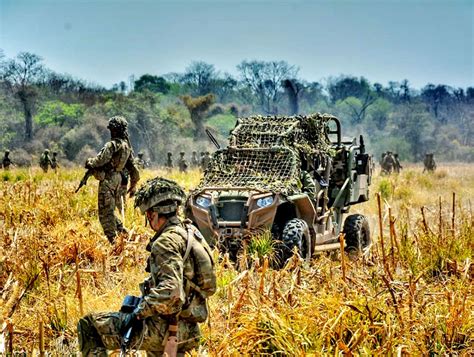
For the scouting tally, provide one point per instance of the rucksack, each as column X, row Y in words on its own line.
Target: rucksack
column 197, row 249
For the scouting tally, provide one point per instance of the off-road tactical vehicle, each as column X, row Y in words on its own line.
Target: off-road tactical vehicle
column 292, row 175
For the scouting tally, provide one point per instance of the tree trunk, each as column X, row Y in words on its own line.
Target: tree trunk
column 28, row 118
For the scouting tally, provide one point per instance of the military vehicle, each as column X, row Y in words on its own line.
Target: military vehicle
column 291, row 175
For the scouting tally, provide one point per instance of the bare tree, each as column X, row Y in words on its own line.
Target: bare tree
column 21, row 75
column 264, row 80
column 201, row 76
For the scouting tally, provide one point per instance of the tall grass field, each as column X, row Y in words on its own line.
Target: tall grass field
column 412, row 295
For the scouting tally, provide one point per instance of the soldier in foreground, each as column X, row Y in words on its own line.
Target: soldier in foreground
column 173, row 302
column 429, row 163
column 45, row 161
column 107, row 166
column 6, row 162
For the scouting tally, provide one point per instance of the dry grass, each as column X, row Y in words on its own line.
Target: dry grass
column 414, row 297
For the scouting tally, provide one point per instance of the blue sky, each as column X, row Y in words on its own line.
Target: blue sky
column 105, row 41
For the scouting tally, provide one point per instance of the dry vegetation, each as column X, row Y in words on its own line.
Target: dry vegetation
column 412, row 295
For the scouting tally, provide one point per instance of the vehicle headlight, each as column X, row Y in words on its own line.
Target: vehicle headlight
column 265, row 201
column 202, row 201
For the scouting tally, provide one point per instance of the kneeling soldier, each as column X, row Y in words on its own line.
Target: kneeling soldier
column 173, row 302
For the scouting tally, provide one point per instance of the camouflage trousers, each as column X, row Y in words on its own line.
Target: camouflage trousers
column 108, row 200
column 101, row 332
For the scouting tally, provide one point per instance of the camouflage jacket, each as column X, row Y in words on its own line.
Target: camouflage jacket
column 116, row 155
column 45, row 160
column 169, row 290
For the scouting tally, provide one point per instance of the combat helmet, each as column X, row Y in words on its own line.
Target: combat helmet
column 117, row 123
column 162, row 195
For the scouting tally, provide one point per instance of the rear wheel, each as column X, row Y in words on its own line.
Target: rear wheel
column 357, row 233
column 295, row 234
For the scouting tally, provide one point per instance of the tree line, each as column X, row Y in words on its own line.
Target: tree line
column 40, row 108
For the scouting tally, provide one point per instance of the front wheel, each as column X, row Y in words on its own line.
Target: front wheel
column 295, row 234
column 357, row 233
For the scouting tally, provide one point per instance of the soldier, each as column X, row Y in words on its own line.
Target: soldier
column 182, row 163
column 398, row 166
column 388, row 163
column 205, row 160
column 202, row 160
column 45, row 161
column 54, row 162
column 194, row 160
column 429, row 163
column 169, row 161
column 6, row 162
column 174, row 296
column 114, row 157
column 140, row 162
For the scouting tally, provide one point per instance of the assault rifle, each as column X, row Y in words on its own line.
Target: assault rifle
column 129, row 304
column 83, row 182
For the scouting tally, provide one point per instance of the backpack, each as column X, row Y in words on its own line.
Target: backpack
column 203, row 282
column 197, row 249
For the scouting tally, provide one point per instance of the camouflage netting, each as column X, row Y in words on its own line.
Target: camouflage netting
column 157, row 190
column 304, row 133
column 264, row 153
column 273, row 169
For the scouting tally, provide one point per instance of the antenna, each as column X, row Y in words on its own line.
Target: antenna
column 213, row 139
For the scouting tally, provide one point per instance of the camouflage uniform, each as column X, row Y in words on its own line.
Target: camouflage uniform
column 194, row 160
column 54, row 162
column 388, row 163
column 45, row 161
column 429, row 163
column 6, row 162
column 308, row 184
column 169, row 161
column 182, row 163
column 114, row 157
column 398, row 166
column 140, row 163
column 171, row 294
column 205, row 160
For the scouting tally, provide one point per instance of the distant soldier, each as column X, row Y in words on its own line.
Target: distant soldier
column 202, row 160
column 383, row 157
column 140, row 162
column 6, row 162
column 398, row 166
column 54, row 162
column 206, row 159
column 107, row 166
column 194, row 160
column 169, row 161
column 388, row 163
column 429, row 162
column 45, row 161
column 182, row 163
